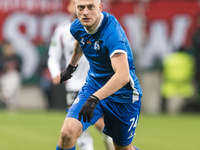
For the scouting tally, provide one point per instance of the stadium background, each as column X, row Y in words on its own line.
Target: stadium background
column 155, row 28
column 29, row 24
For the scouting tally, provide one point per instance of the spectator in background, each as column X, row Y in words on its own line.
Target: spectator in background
column 196, row 47
column 178, row 75
column 10, row 79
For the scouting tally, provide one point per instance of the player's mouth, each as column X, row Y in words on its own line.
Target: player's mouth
column 86, row 19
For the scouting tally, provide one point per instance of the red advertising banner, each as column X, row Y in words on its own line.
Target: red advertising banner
column 154, row 28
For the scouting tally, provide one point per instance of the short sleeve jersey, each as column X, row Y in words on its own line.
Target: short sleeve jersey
column 99, row 47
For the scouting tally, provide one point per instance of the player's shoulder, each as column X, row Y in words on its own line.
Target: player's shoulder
column 109, row 18
column 110, row 26
column 107, row 15
column 75, row 25
column 76, row 28
column 110, row 22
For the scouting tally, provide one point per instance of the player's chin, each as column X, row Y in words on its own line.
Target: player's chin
column 86, row 24
column 86, row 21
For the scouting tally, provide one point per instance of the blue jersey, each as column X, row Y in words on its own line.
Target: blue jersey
column 98, row 47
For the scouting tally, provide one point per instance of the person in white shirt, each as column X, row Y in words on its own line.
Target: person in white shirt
column 62, row 43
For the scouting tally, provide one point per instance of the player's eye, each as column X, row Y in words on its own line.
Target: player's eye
column 81, row 7
column 90, row 7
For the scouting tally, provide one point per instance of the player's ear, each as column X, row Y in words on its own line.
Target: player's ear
column 100, row 7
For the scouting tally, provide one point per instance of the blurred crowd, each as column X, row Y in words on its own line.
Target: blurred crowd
column 170, row 85
column 10, row 78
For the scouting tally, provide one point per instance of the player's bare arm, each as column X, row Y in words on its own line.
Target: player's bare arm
column 119, row 79
column 77, row 54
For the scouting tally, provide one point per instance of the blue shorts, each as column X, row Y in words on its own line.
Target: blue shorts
column 120, row 119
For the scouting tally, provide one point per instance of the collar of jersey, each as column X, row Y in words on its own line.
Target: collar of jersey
column 97, row 28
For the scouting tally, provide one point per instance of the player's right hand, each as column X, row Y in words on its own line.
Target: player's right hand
column 67, row 73
column 87, row 109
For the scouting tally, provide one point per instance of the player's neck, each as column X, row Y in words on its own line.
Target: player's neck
column 97, row 27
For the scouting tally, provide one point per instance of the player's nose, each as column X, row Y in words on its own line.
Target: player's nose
column 86, row 11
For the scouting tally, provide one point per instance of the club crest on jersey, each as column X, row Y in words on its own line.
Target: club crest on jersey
column 96, row 45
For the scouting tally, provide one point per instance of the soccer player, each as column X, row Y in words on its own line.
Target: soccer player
column 112, row 89
column 62, row 42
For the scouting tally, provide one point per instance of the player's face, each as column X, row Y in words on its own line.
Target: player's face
column 88, row 12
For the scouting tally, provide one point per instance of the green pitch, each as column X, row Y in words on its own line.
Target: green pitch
column 39, row 130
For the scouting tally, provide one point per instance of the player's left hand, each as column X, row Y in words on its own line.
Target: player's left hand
column 67, row 73
column 87, row 109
